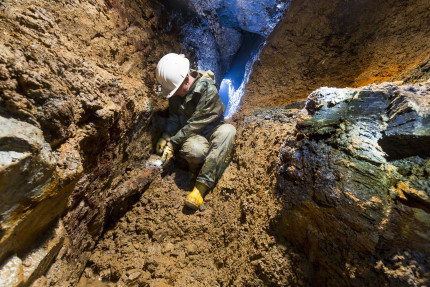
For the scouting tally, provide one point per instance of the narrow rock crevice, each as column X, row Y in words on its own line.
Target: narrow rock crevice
column 400, row 147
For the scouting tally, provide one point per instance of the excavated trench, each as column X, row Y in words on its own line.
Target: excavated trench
column 158, row 242
column 329, row 188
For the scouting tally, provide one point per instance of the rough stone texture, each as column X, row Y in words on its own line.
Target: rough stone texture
column 76, row 105
column 355, row 185
column 258, row 17
column 27, row 164
column 29, row 184
column 340, row 44
column 214, row 30
column 24, row 268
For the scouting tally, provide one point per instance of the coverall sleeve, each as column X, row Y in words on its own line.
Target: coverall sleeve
column 173, row 124
column 208, row 110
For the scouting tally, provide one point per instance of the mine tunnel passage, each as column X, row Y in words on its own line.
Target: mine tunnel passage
column 75, row 86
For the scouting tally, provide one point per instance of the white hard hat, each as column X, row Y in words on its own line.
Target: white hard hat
column 171, row 72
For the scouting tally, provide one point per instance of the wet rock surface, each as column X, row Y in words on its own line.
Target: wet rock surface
column 353, row 209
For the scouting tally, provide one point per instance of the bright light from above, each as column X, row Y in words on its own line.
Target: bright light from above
column 225, row 90
column 230, row 97
column 233, row 85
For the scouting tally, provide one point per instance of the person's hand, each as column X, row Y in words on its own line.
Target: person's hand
column 161, row 144
column 167, row 154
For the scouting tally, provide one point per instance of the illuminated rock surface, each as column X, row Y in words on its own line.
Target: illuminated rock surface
column 340, row 44
column 215, row 31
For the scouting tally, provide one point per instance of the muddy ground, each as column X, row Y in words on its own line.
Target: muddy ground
column 159, row 242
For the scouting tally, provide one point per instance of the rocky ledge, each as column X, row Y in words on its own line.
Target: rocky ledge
column 355, row 180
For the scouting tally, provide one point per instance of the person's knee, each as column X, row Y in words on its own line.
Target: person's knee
column 228, row 131
column 194, row 152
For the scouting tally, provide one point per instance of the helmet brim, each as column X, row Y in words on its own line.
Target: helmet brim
column 167, row 93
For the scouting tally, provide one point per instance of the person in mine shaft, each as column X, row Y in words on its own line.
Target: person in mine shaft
column 195, row 129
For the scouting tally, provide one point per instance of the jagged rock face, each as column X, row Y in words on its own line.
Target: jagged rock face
column 340, row 44
column 259, row 17
column 356, row 183
column 75, row 87
column 77, row 126
column 29, row 182
column 214, row 31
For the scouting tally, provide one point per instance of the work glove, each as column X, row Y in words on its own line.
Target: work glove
column 161, row 144
column 167, row 154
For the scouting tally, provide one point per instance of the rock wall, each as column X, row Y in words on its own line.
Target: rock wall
column 78, row 119
column 339, row 44
column 356, row 185
column 76, row 83
column 214, row 30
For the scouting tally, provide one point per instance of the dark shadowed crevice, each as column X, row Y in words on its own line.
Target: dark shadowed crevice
column 399, row 147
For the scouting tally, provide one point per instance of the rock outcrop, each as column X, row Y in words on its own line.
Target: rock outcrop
column 356, row 184
column 214, row 31
column 340, row 44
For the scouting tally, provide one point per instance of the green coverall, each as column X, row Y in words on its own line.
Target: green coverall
column 197, row 129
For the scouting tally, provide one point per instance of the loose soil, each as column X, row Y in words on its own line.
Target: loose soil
column 159, row 242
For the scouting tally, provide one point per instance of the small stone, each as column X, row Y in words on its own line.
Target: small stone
column 202, row 208
column 133, row 276
column 384, row 118
column 191, row 249
column 4, row 73
column 151, row 266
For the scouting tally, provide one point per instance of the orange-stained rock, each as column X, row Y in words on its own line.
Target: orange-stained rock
column 340, row 44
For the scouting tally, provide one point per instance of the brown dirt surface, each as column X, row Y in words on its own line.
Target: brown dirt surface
column 159, row 242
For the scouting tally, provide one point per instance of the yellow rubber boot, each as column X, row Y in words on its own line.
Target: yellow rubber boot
column 195, row 199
